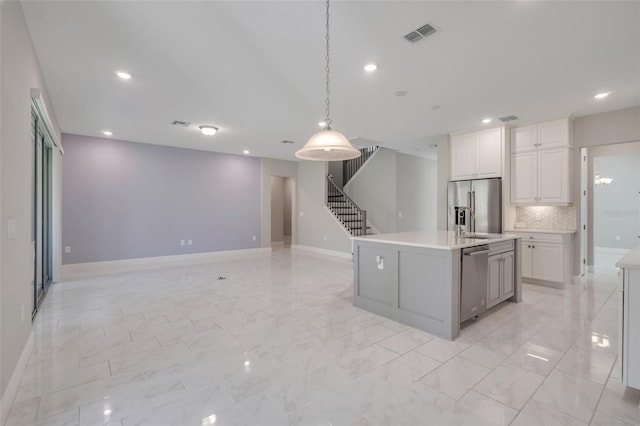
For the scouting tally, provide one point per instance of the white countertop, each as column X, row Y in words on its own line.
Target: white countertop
column 443, row 240
column 543, row 231
column 631, row 260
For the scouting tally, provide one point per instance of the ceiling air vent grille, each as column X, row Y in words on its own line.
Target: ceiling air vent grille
column 508, row 118
column 180, row 123
column 420, row 33
column 286, row 141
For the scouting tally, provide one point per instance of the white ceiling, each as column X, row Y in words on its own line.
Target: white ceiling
column 255, row 69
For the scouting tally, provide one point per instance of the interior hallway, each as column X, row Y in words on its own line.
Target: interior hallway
column 278, row 342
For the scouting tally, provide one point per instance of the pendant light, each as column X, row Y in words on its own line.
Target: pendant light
column 327, row 144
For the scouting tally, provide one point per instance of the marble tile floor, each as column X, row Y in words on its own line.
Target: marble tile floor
column 278, row 343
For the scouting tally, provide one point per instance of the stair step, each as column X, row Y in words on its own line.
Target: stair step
column 335, row 196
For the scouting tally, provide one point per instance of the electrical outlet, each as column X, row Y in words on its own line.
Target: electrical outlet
column 399, row 215
column 12, row 229
column 538, row 216
column 181, row 242
column 190, row 242
column 22, row 313
column 301, row 213
column 380, row 262
column 617, row 237
column 254, row 238
column 67, row 249
column 325, row 238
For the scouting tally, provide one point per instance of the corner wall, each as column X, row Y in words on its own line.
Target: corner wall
column 282, row 168
column 20, row 72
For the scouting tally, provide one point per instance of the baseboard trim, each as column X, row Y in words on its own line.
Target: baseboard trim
column 543, row 283
column 277, row 243
column 334, row 253
column 77, row 270
column 12, row 387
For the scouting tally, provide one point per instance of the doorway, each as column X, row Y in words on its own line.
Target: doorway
column 282, row 189
column 611, row 187
column 42, row 209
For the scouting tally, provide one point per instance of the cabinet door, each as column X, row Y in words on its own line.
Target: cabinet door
column 553, row 176
column 494, row 281
column 488, row 153
column 524, row 178
column 547, row 260
column 462, row 156
column 552, row 134
column 527, row 264
column 524, row 138
column 507, row 276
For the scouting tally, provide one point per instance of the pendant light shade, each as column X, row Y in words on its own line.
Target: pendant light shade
column 327, row 144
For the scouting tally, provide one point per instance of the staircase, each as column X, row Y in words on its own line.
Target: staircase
column 352, row 217
column 351, row 167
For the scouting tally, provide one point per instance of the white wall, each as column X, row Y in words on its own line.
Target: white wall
column 416, row 193
column 316, row 226
column 271, row 167
column 277, row 208
column 398, row 191
column 373, row 188
column 19, row 67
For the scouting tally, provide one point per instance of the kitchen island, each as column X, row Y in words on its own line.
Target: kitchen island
column 416, row 277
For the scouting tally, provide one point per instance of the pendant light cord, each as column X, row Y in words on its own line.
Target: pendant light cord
column 328, row 106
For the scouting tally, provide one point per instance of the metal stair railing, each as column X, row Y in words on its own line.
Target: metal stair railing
column 351, row 167
column 352, row 217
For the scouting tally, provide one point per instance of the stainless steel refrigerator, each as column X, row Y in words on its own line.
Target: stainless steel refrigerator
column 480, row 202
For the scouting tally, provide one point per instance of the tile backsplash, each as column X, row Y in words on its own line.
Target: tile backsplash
column 546, row 217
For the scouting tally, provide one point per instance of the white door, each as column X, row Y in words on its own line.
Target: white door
column 507, row 275
column 462, row 157
column 494, row 284
column 488, row 155
column 546, row 261
column 553, row 176
column 527, row 261
column 553, row 133
column 524, row 178
column 524, row 138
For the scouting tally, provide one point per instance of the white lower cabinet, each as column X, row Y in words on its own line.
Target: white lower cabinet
column 500, row 282
column 629, row 346
column 546, row 258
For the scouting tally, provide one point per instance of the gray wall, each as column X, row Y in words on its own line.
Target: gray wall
column 391, row 185
column 289, row 188
column 416, row 194
column 20, row 73
column 590, row 131
column 124, row 200
column 316, row 226
column 336, row 170
column 277, row 208
column 616, row 207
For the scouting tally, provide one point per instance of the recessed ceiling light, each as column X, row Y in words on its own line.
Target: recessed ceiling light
column 246, row 151
column 107, row 132
column 208, row 130
column 602, row 95
column 370, row 67
column 123, row 75
column 486, row 120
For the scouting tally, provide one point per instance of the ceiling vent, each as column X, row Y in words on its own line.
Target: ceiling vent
column 286, row 141
column 420, row 33
column 508, row 118
column 180, row 123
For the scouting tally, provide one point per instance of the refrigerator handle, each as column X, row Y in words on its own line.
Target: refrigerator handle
column 472, row 213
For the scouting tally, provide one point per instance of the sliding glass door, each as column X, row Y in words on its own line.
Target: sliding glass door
column 42, row 212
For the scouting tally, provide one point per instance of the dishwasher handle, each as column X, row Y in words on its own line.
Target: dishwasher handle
column 476, row 253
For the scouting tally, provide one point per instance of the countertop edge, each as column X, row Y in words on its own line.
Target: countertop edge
column 478, row 242
column 631, row 260
column 543, row 231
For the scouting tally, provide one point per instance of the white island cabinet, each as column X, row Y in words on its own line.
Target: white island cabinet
column 415, row 277
column 629, row 346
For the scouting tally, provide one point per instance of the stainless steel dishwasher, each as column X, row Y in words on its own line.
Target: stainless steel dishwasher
column 473, row 288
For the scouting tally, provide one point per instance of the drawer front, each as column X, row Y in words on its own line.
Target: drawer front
column 501, row 247
column 543, row 238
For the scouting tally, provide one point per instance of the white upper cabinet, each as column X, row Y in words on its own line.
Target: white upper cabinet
column 477, row 155
column 541, row 164
column 550, row 134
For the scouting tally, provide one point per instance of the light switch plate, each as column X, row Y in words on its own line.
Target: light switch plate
column 12, row 229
